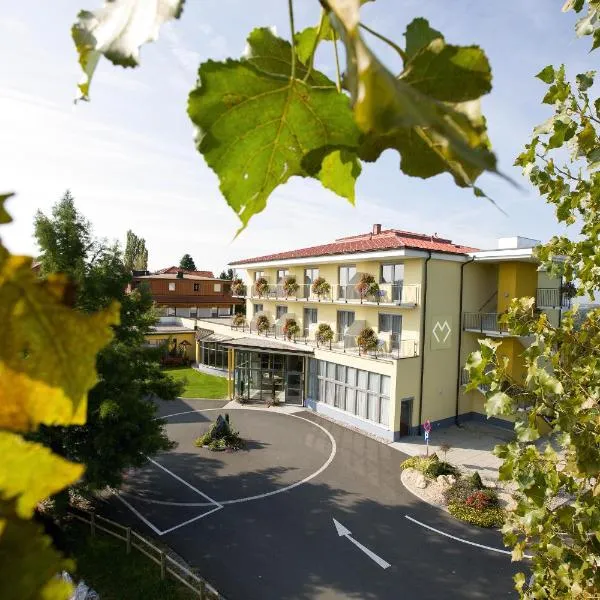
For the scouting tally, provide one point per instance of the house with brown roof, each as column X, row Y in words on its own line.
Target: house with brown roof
column 402, row 312
column 192, row 294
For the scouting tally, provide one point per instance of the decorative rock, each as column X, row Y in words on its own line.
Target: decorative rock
column 451, row 479
column 420, row 481
column 441, row 479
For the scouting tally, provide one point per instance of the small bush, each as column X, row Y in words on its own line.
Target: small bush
column 440, row 467
column 488, row 517
column 414, row 462
column 459, row 492
column 475, row 479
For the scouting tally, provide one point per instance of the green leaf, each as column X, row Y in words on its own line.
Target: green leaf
column 29, row 473
column 309, row 38
column 586, row 138
column 585, row 80
column 431, row 136
column 339, row 171
column 258, row 128
column 449, row 73
column 498, row 403
column 546, row 74
column 117, row 31
column 419, row 35
column 48, row 351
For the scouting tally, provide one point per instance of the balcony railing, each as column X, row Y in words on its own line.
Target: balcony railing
column 488, row 323
column 389, row 294
column 552, row 298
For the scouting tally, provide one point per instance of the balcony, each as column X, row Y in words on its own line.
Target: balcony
column 402, row 295
column 552, row 298
column 485, row 323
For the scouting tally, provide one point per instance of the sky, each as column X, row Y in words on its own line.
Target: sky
column 129, row 158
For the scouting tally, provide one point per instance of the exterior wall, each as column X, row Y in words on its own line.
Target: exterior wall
column 190, row 351
column 442, row 337
column 515, row 280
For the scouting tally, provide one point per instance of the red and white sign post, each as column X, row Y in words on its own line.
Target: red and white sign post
column 427, row 429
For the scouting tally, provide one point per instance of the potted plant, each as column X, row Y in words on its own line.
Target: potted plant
column 291, row 328
column 239, row 320
column 367, row 340
column 290, row 286
column 262, row 286
column 366, row 286
column 320, row 287
column 324, row 334
column 237, row 287
column 262, row 324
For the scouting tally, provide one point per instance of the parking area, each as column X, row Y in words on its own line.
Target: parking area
column 308, row 510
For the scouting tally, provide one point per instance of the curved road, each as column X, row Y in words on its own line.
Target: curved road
column 285, row 546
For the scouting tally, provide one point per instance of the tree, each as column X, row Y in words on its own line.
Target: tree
column 227, row 274
column 187, row 263
column 136, row 255
column 121, row 429
column 557, row 518
column 429, row 112
column 45, row 373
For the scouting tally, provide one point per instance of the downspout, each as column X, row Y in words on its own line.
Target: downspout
column 460, row 336
column 423, row 343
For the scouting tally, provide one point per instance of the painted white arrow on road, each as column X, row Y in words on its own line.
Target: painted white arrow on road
column 344, row 532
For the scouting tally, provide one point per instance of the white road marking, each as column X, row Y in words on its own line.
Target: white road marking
column 448, row 535
column 246, row 498
column 345, row 532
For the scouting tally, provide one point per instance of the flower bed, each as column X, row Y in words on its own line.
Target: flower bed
column 464, row 496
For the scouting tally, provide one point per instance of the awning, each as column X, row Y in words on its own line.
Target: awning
column 268, row 345
column 215, row 337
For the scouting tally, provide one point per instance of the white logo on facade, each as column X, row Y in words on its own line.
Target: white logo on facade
column 441, row 331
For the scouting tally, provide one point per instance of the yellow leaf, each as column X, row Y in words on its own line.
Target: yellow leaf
column 29, row 565
column 48, row 350
column 4, row 216
column 30, row 472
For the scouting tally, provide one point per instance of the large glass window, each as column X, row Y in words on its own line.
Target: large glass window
column 310, row 317
column 392, row 274
column 347, row 281
column 310, row 275
column 358, row 392
column 280, row 311
column 258, row 275
column 282, row 274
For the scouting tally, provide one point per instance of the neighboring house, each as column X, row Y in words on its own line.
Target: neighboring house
column 180, row 293
column 435, row 300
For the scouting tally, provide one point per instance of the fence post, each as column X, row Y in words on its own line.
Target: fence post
column 128, row 540
column 163, row 565
column 92, row 524
column 202, row 590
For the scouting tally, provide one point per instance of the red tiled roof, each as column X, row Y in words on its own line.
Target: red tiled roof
column 388, row 239
column 186, row 271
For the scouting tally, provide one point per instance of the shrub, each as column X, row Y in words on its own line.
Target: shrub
column 320, row 287
column 324, row 334
column 291, row 328
column 262, row 286
column 365, row 283
column 414, row 462
column 440, row 467
column 488, row 517
column 239, row 320
column 367, row 339
column 475, row 479
column 237, row 287
column 459, row 491
column 262, row 323
column 290, row 285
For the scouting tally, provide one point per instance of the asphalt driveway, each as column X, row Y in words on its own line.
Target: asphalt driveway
column 258, row 524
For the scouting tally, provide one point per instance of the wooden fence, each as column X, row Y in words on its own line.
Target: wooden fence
column 132, row 539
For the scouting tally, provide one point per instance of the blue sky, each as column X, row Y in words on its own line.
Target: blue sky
column 130, row 161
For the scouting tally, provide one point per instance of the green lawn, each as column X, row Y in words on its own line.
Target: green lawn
column 105, row 566
column 200, row 385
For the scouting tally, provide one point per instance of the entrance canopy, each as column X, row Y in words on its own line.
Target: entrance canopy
column 267, row 345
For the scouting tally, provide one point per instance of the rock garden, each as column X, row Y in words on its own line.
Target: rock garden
column 220, row 436
column 463, row 495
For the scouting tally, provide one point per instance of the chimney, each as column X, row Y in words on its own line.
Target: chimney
column 179, row 274
column 377, row 229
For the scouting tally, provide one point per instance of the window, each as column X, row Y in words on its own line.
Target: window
column 280, row 311
column 346, row 278
column 258, row 275
column 217, row 287
column 391, row 274
column 345, row 318
column 310, row 275
column 171, row 286
column 258, row 308
column 390, row 323
column 282, row 274
column 196, row 287
column 361, row 393
column 310, row 317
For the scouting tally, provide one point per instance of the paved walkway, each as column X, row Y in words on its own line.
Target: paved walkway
column 471, row 446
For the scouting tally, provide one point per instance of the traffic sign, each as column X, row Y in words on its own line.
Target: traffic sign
column 427, row 436
column 427, row 426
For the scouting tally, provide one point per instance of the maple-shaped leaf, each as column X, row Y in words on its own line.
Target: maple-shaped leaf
column 48, row 350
